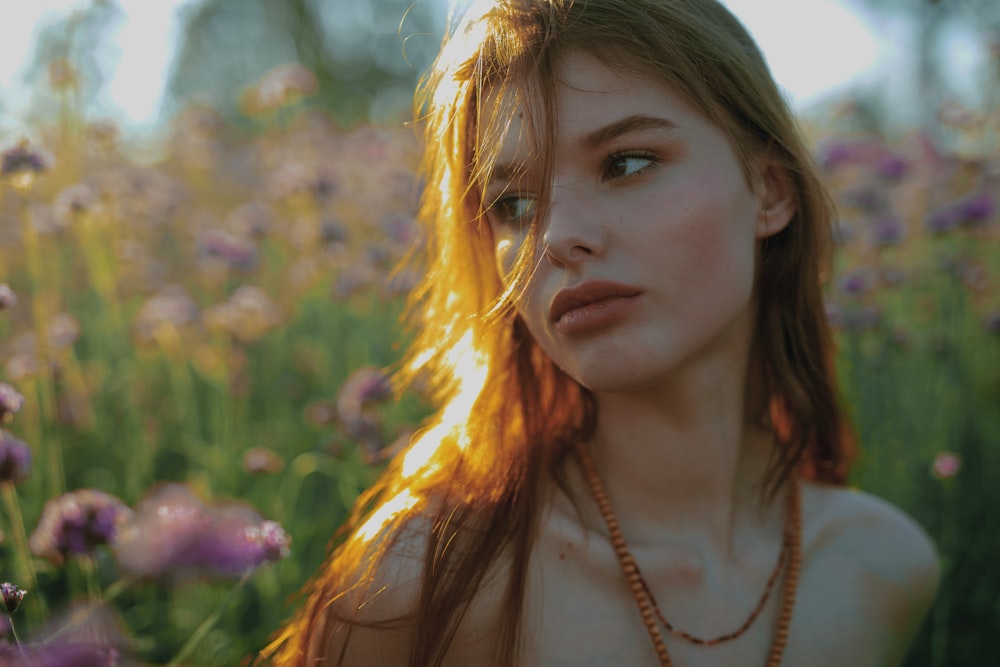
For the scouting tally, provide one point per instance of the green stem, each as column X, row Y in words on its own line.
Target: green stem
column 12, row 507
column 207, row 624
column 40, row 321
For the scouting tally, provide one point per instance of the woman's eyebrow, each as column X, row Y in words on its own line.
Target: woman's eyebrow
column 626, row 125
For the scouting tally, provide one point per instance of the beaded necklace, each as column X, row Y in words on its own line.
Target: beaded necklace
column 650, row 611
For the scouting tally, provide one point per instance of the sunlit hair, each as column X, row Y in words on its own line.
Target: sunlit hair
column 470, row 482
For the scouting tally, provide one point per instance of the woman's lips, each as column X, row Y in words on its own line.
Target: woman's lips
column 591, row 306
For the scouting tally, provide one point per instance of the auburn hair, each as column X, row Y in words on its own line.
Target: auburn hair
column 507, row 415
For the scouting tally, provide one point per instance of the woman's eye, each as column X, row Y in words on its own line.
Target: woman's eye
column 621, row 166
column 512, row 209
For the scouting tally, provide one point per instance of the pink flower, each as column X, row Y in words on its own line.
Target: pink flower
column 946, row 465
column 15, row 459
column 76, row 523
column 174, row 533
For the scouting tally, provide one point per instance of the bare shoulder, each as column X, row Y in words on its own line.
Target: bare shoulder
column 380, row 601
column 880, row 535
column 893, row 560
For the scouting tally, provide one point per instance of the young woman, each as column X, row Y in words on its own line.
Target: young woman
column 640, row 454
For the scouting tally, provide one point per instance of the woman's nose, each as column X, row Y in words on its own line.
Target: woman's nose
column 572, row 231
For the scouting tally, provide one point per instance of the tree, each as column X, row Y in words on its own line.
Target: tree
column 367, row 56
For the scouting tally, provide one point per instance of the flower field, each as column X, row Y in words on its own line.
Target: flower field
column 194, row 359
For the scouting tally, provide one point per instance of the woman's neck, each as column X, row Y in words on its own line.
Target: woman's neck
column 685, row 465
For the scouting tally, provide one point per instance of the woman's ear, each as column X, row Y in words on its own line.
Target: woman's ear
column 776, row 195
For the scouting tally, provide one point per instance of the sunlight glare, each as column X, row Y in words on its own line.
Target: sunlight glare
column 469, row 368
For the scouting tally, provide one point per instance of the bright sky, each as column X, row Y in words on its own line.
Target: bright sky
column 812, row 46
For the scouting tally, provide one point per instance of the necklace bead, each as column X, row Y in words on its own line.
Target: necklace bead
column 649, row 610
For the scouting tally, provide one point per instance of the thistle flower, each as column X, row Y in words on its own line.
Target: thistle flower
column 942, row 220
column 946, row 465
column 21, row 164
column 887, row 231
column 8, row 299
column 77, row 523
column 15, row 459
column 169, row 309
column 12, row 596
column 281, row 86
column 233, row 251
column 248, row 315
column 856, row 282
column 173, row 533
column 993, row 322
column 260, row 460
column 84, row 635
column 11, row 402
column 975, row 209
column 363, row 387
column 73, row 202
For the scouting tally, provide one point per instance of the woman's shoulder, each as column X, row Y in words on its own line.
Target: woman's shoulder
column 876, row 550
column 880, row 535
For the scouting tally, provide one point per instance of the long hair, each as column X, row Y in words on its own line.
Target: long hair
column 508, row 416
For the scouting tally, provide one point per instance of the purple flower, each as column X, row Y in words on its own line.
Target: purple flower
column 976, row 208
column 364, row 386
column 83, row 636
column 856, row 282
column 891, row 166
column 943, row 220
column 15, row 459
column 993, row 322
column 76, row 523
column 236, row 252
column 7, row 297
column 836, row 153
column 11, row 402
column 12, row 596
column 887, row 232
column 169, row 310
column 260, row 460
column 22, row 161
column 174, row 533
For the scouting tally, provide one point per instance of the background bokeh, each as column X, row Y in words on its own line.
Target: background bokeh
column 200, row 301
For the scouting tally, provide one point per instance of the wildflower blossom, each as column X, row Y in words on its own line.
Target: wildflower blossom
column 281, row 86
column 946, row 465
column 73, row 202
column 887, row 231
column 365, row 386
column 942, row 220
column 169, row 309
column 260, row 460
column 248, row 315
column 232, row 250
column 11, row 402
column 21, row 164
column 64, row 331
column 172, row 532
column 77, row 523
column 84, row 635
column 975, row 209
column 8, row 299
column 856, row 282
column 15, row 459
column 891, row 166
column 12, row 596
column 993, row 322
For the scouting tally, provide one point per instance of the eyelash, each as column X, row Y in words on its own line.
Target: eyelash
column 500, row 201
column 619, row 155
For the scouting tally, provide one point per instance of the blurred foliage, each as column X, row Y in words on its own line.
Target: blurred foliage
column 367, row 56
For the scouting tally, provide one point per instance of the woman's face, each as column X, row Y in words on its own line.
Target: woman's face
column 645, row 260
